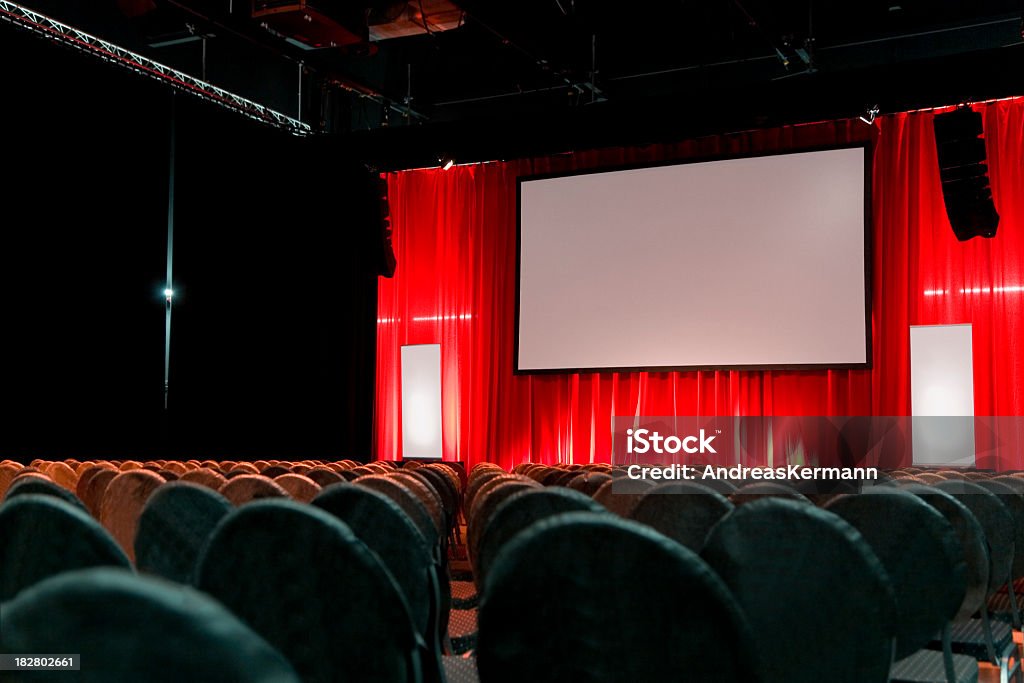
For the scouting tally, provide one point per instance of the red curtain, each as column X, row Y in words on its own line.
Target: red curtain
column 455, row 236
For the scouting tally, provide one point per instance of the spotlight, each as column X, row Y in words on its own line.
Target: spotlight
column 446, row 161
column 868, row 117
column 169, row 293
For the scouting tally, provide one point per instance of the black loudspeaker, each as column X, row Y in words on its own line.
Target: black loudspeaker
column 380, row 214
column 389, row 261
column 965, row 183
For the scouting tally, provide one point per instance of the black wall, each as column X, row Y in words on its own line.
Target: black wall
column 274, row 317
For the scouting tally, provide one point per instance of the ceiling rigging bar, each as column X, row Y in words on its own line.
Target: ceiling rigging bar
column 66, row 35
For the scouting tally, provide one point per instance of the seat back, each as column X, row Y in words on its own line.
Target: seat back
column 324, row 476
column 85, row 475
column 410, row 503
column 621, row 494
column 972, row 543
column 63, row 475
column 517, row 512
column 96, row 489
column 817, row 597
column 486, row 502
column 426, row 494
column 298, row 486
column 174, row 526
column 683, row 511
column 129, row 628
column 244, row 488
column 447, row 492
column 275, row 471
column 1010, row 491
column 39, row 485
column 995, row 520
column 921, row 554
column 750, row 492
column 723, row 486
column 478, row 479
column 300, row 578
column 590, row 482
column 588, row 597
column 122, row 505
column 379, row 523
column 8, row 471
column 204, row 476
column 41, row 536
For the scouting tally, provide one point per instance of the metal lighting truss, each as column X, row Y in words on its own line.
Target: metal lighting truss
column 66, row 35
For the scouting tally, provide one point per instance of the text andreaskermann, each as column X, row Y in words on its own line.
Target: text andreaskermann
column 696, row 472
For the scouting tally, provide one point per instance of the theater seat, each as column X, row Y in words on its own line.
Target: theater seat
column 926, row 564
column 1005, row 604
column 684, row 511
column 302, row 579
column 385, row 529
column 818, row 599
column 591, row 597
column 42, row 536
column 174, row 526
column 34, row 484
column 520, row 510
column 130, row 629
column 986, row 639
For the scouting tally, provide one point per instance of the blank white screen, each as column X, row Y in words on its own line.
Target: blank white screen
column 740, row 262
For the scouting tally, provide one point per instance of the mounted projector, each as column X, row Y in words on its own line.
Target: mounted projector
column 314, row 24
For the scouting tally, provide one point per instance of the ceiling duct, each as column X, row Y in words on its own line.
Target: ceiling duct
column 329, row 23
column 317, row 24
column 401, row 19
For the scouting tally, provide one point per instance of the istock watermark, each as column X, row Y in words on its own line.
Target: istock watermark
column 817, row 454
column 642, row 441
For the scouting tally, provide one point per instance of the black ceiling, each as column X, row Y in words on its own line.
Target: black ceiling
column 535, row 76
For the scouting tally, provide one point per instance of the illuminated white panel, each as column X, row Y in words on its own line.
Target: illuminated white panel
column 942, row 394
column 421, row 401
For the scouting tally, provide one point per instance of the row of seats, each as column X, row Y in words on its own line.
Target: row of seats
column 895, row 583
column 349, row 583
column 578, row 573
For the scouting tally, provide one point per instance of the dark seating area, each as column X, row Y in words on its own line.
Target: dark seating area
column 375, row 572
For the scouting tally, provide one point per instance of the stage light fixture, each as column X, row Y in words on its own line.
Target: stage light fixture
column 445, row 161
column 869, row 116
column 169, row 294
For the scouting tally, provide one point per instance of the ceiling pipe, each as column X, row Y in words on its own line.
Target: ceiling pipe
column 329, row 76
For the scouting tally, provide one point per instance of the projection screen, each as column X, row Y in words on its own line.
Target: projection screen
column 754, row 262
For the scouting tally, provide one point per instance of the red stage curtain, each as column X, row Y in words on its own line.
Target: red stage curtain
column 454, row 235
